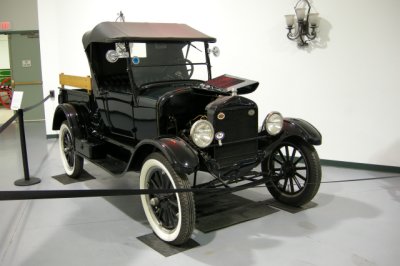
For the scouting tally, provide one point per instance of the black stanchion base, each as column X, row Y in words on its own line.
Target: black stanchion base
column 31, row 181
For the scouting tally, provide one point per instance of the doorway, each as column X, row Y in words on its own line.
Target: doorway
column 5, row 80
column 26, row 72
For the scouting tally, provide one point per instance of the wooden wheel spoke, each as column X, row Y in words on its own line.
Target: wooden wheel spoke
column 156, row 180
column 285, row 183
column 299, row 186
column 168, row 217
column 301, row 177
column 276, row 160
column 291, row 185
column 173, row 203
column 293, row 155
column 282, row 156
column 153, row 183
column 298, row 160
column 159, row 213
column 287, row 153
column 160, row 179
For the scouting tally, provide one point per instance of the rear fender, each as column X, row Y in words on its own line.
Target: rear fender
column 68, row 112
column 183, row 158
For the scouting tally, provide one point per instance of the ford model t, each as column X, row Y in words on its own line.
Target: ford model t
column 152, row 106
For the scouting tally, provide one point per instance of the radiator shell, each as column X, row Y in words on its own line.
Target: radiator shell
column 237, row 117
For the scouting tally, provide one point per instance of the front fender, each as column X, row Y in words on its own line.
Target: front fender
column 292, row 128
column 183, row 158
column 302, row 129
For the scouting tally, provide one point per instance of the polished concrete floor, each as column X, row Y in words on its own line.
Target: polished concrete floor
column 353, row 223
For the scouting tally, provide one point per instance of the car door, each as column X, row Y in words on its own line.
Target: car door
column 146, row 118
column 118, row 96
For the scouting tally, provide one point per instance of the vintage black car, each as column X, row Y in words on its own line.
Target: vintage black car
column 152, row 106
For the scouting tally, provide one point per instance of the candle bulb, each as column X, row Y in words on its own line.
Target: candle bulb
column 289, row 20
column 300, row 13
column 313, row 19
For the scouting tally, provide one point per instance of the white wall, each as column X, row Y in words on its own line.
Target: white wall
column 21, row 13
column 347, row 85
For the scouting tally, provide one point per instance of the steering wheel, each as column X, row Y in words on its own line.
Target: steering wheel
column 178, row 74
column 190, row 67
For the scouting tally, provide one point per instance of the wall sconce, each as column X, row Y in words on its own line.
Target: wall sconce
column 305, row 29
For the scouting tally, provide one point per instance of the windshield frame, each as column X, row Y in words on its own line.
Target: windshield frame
column 205, row 54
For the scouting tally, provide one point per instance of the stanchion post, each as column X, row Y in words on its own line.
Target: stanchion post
column 27, row 180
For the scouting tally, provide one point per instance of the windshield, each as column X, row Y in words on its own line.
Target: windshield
column 159, row 62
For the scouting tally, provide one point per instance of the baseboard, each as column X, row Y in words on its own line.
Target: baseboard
column 361, row 166
column 52, row 136
column 34, row 120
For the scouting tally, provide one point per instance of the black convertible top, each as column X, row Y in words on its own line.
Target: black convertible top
column 108, row 32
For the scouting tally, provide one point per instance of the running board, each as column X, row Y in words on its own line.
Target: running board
column 112, row 165
column 107, row 155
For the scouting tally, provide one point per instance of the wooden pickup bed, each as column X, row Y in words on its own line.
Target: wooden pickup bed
column 76, row 81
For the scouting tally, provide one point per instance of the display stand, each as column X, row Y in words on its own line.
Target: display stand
column 27, row 180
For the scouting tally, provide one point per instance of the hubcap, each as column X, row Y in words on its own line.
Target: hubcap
column 154, row 202
column 288, row 169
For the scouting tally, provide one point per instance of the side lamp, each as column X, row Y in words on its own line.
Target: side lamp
column 302, row 26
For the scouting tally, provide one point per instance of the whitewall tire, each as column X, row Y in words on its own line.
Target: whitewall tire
column 73, row 163
column 171, row 216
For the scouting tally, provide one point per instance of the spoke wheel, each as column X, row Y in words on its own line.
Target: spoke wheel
column 172, row 215
column 73, row 163
column 296, row 172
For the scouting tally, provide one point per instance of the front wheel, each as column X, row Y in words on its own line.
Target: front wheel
column 295, row 172
column 172, row 215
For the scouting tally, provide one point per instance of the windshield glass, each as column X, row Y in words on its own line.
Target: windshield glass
column 158, row 62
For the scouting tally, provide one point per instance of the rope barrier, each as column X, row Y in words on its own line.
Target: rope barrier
column 57, row 194
column 27, row 109
column 52, row 194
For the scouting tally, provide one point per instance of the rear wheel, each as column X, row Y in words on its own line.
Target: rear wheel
column 172, row 215
column 296, row 172
column 73, row 163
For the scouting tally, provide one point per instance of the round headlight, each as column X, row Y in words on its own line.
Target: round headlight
column 202, row 133
column 273, row 123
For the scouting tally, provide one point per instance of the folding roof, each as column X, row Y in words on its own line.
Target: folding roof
column 109, row 32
